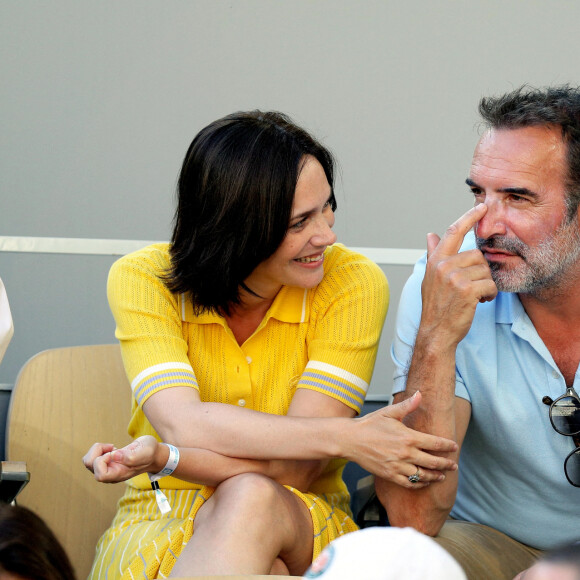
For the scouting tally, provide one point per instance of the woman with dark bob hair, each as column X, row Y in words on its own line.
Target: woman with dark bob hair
column 249, row 342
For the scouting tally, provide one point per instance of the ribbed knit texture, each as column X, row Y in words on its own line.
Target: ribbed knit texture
column 324, row 339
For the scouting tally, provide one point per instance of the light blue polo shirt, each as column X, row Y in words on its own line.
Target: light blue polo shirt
column 511, row 469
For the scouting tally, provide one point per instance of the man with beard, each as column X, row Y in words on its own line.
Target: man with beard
column 489, row 331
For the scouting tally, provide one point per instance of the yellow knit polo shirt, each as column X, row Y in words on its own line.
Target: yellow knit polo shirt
column 324, row 339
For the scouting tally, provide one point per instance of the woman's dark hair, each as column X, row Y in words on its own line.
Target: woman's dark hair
column 550, row 107
column 28, row 548
column 235, row 195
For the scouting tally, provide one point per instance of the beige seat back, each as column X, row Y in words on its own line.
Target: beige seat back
column 64, row 400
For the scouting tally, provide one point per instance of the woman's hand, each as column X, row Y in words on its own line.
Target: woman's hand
column 111, row 465
column 392, row 451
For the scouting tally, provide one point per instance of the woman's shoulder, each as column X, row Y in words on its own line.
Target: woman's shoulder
column 153, row 259
column 350, row 274
column 351, row 280
column 340, row 260
column 142, row 273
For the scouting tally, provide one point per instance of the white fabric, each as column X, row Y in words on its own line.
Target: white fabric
column 385, row 554
column 6, row 326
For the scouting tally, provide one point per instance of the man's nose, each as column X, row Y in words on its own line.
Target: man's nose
column 493, row 223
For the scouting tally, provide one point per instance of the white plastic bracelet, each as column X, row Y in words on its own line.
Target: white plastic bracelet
column 169, row 468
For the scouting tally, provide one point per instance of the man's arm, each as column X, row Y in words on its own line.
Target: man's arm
column 453, row 285
column 425, row 509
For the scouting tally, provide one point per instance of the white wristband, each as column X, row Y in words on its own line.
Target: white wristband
column 169, row 468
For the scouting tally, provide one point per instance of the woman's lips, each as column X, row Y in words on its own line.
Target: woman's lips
column 310, row 259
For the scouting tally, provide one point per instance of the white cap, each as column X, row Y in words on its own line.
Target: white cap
column 385, row 554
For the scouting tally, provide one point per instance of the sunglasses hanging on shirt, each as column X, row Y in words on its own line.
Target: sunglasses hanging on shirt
column 565, row 419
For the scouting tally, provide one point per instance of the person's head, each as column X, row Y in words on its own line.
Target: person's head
column 385, row 553
column 28, row 548
column 236, row 193
column 559, row 564
column 555, row 108
column 526, row 169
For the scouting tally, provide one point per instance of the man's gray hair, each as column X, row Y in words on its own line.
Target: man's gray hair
column 550, row 106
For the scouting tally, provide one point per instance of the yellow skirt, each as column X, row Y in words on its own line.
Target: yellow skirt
column 143, row 543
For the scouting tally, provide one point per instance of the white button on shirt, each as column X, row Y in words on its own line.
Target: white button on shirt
column 249, row 359
column 242, row 402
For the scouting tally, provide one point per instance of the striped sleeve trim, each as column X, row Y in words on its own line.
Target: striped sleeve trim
column 335, row 382
column 160, row 376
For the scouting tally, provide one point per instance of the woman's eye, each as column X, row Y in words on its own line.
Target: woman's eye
column 298, row 225
column 331, row 203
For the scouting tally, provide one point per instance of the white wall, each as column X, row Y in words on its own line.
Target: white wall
column 99, row 101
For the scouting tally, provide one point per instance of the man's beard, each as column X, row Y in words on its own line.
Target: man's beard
column 543, row 267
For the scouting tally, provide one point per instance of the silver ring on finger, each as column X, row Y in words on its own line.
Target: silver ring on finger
column 415, row 478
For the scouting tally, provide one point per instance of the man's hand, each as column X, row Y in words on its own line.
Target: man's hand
column 453, row 286
column 454, row 282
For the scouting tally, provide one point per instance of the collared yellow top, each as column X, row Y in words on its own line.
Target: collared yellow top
column 324, row 338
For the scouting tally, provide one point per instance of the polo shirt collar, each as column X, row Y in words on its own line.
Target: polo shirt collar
column 509, row 310
column 290, row 305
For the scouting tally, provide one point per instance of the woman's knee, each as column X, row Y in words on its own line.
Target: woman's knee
column 251, row 486
column 264, row 513
column 248, row 494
